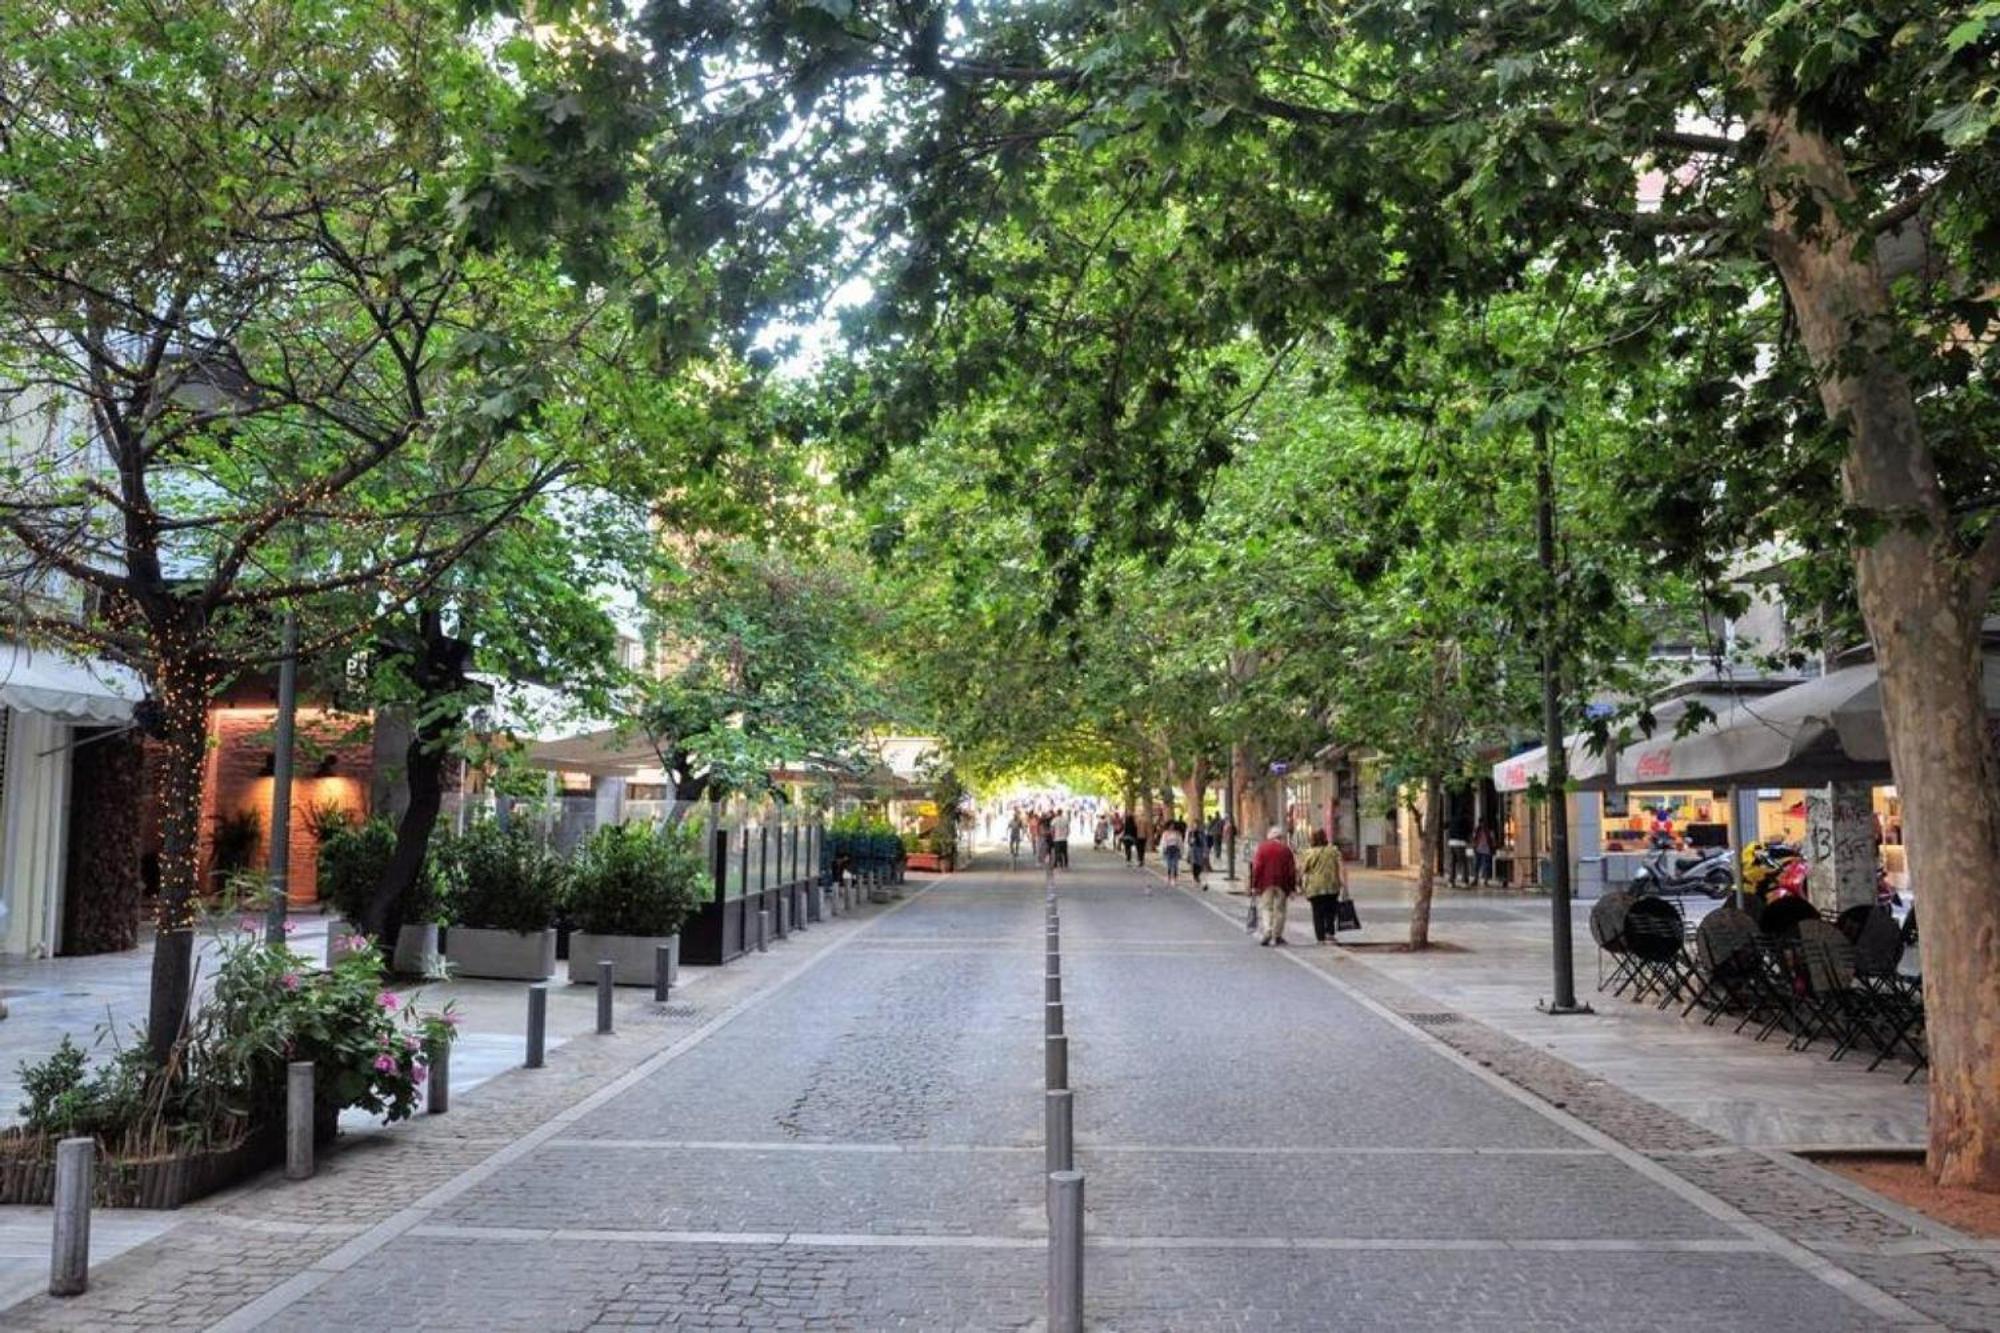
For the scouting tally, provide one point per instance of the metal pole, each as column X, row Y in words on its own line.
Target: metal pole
column 663, row 971
column 438, row 1097
column 1052, row 1019
column 1059, row 1105
column 1229, row 816
column 69, row 1248
column 607, row 977
column 1066, row 1252
column 299, row 1120
column 279, row 860
column 1055, row 1062
column 763, row 930
column 1564, row 999
column 538, row 1023
column 1052, row 988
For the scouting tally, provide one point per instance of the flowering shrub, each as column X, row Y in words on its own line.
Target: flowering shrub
column 369, row 1046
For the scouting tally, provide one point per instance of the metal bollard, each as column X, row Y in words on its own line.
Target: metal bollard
column 1055, row 1061
column 1052, row 1019
column 1059, row 1128
column 763, row 930
column 784, row 914
column 1052, row 988
column 437, row 1094
column 538, row 1024
column 69, row 1248
column 663, row 971
column 299, row 1120
column 1066, row 1252
column 607, row 977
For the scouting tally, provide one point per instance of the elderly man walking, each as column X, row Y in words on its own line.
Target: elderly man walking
column 1274, row 878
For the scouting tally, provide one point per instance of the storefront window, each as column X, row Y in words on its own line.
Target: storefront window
column 1636, row 821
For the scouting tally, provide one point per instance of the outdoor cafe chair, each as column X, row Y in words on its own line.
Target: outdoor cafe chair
column 1724, row 965
column 1607, row 928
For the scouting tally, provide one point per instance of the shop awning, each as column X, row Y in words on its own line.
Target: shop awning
column 1587, row 771
column 612, row 752
column 1825, row 730
column 82, row 692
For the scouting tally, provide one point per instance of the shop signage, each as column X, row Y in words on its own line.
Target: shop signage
column 1656, row 763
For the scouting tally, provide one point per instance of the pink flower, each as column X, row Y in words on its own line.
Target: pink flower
column 290, row 981
column 385, row 1064
column 388, row 1000
column 291, row 926
column 417, row 1073
column 249, row 924
column 354, row 943
column 410, row 1043
column 451, row 1018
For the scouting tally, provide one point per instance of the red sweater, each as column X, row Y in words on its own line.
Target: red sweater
column 1274, row 867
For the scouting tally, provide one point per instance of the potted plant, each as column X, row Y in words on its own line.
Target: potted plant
column 234, row 845
column 630, row 890
column 215, row 1112
column 503, row 887
column 351, row 862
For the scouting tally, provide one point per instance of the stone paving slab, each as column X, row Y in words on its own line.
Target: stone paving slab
column 1268, row 1060
column 1384, row 1196
column 744, row 1189
column 475, row 1285
column 1197, row 1291
column 885, row 1047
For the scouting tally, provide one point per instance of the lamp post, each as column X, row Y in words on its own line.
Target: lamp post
column 1563, row 1000
column 1229, row 816
column 280, row 860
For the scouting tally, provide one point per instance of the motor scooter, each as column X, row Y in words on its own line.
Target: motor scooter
column 1671, row 874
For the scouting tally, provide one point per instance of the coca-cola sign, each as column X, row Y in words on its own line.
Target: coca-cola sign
column 1655, row 763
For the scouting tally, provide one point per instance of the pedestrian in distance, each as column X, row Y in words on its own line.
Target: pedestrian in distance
column 1059, row 839
column 1130, row 839
column 1016, row 830
column 1198, row 854
column 1325, row 880
column 1484, row 843
column 1172, row 839
column 1274, row 878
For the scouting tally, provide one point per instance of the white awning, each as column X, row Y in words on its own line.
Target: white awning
column 56, row 685
column 1521, row 771
column 1825, row 730
column 612, row 752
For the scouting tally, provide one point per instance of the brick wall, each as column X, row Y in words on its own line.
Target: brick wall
column 240, row 740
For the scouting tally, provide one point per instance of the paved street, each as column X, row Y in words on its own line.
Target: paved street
column 1266, row 1148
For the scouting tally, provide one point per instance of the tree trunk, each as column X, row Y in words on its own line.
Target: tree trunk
column 1428, row 821
column 1924, row 602
column 102, row 884
column 1194, row 789
column 183, row 695
column 439, row 665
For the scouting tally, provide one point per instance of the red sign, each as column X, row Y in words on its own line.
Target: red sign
column 1657, row 763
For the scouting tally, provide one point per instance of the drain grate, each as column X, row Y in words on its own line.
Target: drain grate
column 1431, row 1020
column 679, row 1011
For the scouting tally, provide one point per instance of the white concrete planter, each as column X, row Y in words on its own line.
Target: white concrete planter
column 632, row 956
column 511, row 955
column 417, row 950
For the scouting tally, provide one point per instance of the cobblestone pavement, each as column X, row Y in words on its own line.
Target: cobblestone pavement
column 846, row 1134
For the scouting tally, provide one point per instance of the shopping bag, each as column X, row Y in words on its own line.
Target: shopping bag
column 1345, row 917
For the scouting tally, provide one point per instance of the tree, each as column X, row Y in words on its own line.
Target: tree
column 1361, row 162
column 764, row 665
column 227, row 241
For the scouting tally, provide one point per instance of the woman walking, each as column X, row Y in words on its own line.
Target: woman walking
column 1198, row 855
column 1172, row 839
column 1325, row 881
